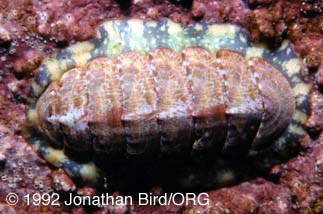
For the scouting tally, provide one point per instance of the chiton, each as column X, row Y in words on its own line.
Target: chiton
column 156, row 88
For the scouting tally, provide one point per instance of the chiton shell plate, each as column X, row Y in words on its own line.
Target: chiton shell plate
column 155, row 88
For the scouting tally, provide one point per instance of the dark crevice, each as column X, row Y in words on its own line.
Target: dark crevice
column 187, row 4
column 124, row 6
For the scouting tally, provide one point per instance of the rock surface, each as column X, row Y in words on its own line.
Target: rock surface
column 30, row 30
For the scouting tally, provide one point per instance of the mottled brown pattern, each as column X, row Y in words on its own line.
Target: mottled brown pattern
column 167, row 102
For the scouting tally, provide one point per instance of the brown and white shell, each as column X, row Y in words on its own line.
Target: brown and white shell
column 157, row 89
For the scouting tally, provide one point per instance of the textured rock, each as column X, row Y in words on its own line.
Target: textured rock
column 39, row 25
column 314, row 122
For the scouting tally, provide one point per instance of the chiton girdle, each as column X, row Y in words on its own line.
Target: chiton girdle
column 141, row 38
